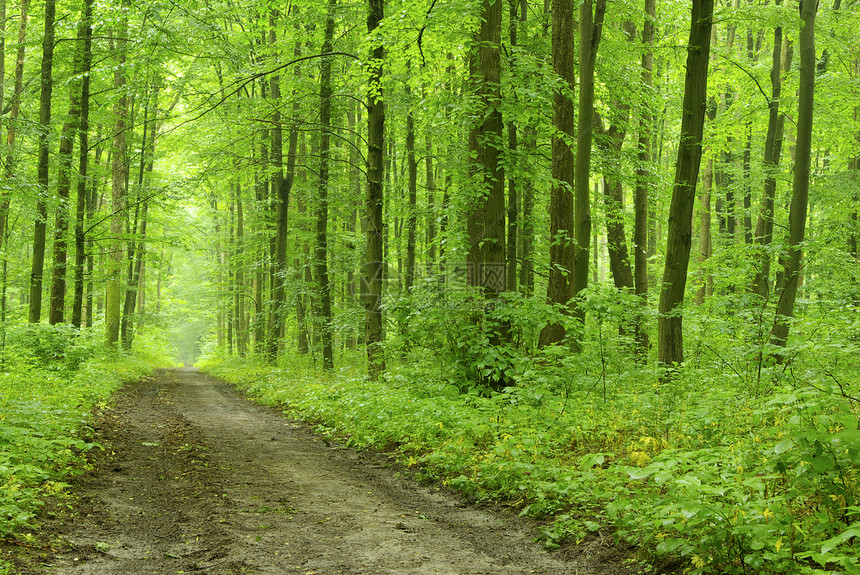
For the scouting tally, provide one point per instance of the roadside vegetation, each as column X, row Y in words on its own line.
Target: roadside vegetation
column 51, row 380
column 737, row 465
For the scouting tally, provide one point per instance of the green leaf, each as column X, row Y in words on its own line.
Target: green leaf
column 783, row 446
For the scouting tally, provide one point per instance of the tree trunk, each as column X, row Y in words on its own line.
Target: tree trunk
column 782, row 56
column 119, row 170
column 643, row 184
column 432, row 210
column 527, row 277
column 800, row 186
column 590, row 30
column 90, row 243
column 321, row 251
column 41, row 222
column 64, row 186
column 486, row 214
column 239, row 262
column 83, row 154
column 261, row 194
column 373, row 262
column 514, row 7
column 610, row 144
column 670, row 343
column 561, row 224
column 412, row 171
column 705, row 249
column 14, row 111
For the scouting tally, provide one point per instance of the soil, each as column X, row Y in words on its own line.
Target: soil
column 194, row 478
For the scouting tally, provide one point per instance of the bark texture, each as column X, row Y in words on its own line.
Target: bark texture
column 670, row 342
column 792, row 262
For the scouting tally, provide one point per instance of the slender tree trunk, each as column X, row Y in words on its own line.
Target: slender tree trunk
column 705, row 249
column 670, row 342
column 321, row 251
column 15, row 108
column 282, row 184
column 119, row 169
column 746, row 220
column 527, row 277
column 261, row 190
column 561, row 222
column 373, row 262
column 41, row 223
column 610, row 144
column 64, row 185
column 590, row 30
column 302, row 264
column 800, row 186
column 241, row 326
column 411, row 215
column 514, row 9
column 90, row 243
column 781, row 61
column 643, row 185
column 83, row 167
column 432, row 211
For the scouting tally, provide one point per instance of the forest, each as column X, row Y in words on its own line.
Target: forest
column 595, row 260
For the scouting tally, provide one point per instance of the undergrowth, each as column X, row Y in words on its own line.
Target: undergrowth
column 738, row 465
column 51, row 378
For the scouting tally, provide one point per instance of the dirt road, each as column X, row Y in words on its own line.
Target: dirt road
column 199, row 480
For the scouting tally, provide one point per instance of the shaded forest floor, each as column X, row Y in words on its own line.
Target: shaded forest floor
column 197, row 479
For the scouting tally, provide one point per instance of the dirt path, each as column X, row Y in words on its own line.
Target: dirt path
column 201, row 480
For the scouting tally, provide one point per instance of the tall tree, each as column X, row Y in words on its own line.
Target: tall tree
column 792, row 261
column 64, row 180
column 41, row 223
column 780, row 61
column 119, row 177
column 559, row 288
column 486, row 215
column 516, row 12
column 590, row 30
column 373, row 260
column 14, row 111
column 412, row 190
column 83, row 163
column 643, row 178
column 321, row 251
column 670, row 337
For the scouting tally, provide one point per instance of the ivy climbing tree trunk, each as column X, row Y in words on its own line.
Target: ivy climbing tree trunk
column 41, row 222
column 792, row 262
column 373, row 261
column 670, row 338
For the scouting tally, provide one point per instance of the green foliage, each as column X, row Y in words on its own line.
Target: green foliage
column 46, row 397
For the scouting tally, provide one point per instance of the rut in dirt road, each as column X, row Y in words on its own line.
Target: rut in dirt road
column 203, row 481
